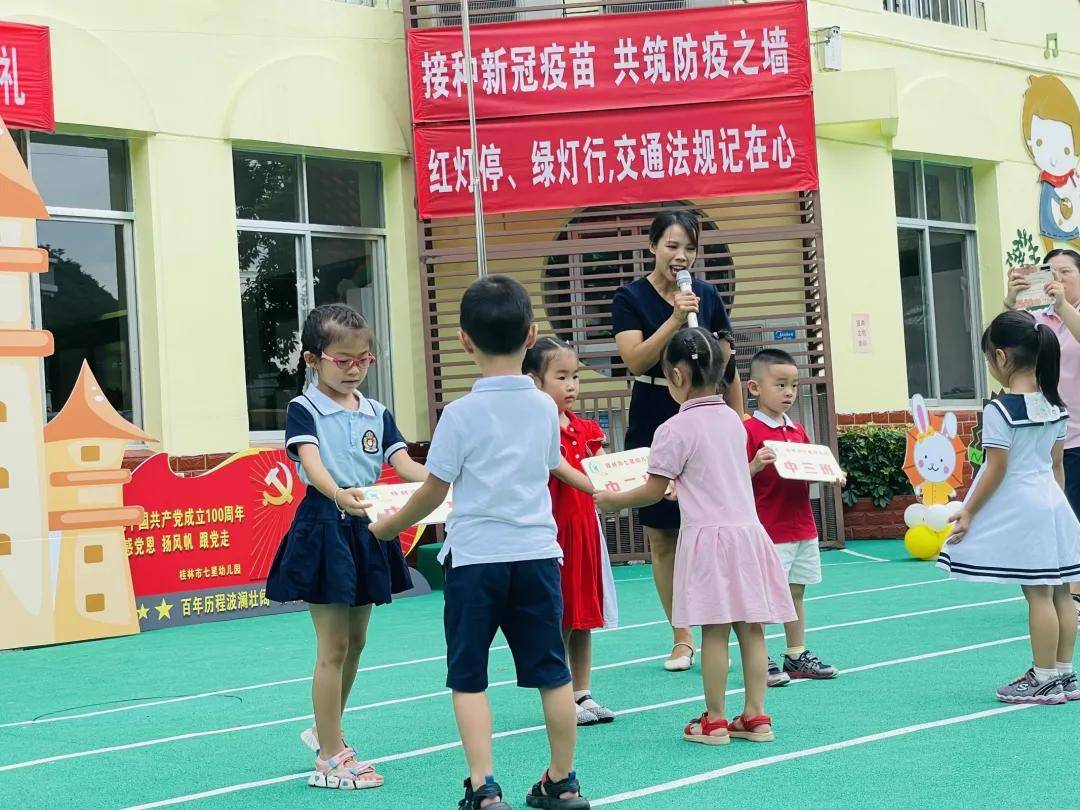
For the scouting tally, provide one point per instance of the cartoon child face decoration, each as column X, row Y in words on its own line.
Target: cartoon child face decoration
column 1051, row 125
column 1051, row 145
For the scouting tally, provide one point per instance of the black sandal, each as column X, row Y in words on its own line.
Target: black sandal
column 545, row 794
column 474, row 798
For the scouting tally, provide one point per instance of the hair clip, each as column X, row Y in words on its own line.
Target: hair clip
column 1036, row 325
column 694, row 356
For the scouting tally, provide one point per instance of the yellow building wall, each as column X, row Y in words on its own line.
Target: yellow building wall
column 918, row 89
column 185, row 82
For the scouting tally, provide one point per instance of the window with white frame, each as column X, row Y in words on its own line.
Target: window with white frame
column 87, row 296
column 310, row 232
column 938, row 280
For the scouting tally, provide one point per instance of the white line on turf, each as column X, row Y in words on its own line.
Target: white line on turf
column 806, row 752
column 441, row 693
column 864, row 556
column 431, row 659
column 419, row 752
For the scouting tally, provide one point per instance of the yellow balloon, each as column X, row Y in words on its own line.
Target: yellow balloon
column 924, row 543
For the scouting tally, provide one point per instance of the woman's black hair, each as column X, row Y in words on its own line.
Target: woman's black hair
column 538, row 358
column 323, row 326
column 702, row 355
column 1029, row 344
column 1071, row 254
column 684, row 219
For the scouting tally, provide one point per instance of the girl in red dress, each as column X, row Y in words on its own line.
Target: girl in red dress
column 553, row 364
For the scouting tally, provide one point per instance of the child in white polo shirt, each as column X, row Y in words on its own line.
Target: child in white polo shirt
column 497, row 446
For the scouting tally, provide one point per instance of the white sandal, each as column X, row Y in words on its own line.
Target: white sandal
column 682, row 662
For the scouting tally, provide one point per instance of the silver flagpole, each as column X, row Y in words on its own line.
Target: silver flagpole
column 474, row 161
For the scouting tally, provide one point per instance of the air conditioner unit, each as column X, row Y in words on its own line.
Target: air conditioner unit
column 654, row 5
column 446, row 15
column 526, row 12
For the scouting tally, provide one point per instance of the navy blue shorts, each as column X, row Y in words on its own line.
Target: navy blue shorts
column 1072, row 478
column 524, row 600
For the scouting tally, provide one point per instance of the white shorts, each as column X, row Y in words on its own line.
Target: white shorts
column 801, row 560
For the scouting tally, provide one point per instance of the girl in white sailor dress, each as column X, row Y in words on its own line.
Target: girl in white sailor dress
column 1016, row 525
column 329, row 558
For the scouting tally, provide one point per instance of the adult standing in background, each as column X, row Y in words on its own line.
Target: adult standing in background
column 1063, row 316
column 646, row 313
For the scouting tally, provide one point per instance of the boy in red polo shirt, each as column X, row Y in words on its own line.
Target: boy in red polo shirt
column 784, row 505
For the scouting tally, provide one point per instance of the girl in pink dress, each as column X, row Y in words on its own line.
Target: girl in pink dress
column 727, row 573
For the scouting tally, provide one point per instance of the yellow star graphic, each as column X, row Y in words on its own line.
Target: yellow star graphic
column 143, row 611
column 163, row 610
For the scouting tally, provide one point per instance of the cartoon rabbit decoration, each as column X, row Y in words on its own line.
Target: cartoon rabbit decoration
column 935, row 456
column 935, row 462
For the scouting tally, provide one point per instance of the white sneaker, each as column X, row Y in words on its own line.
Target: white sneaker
column 310, row 738
column 602, row 713
column 585, row 717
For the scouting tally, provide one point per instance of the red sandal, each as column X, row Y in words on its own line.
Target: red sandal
column 705, row 731
column 743, row 728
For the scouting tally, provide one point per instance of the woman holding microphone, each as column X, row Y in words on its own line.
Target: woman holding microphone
column 646, row 313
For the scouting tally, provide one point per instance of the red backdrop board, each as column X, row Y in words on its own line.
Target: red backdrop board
column 601, row 62
column 206, row 543
column 26, row 92
column 605, row 158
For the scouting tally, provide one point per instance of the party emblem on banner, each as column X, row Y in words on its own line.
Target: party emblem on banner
column 206, row 542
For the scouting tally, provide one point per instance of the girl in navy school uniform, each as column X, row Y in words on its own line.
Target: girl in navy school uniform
column 328, row 558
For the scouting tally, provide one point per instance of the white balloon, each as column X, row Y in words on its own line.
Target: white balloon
column 937, row 517
column 915, row 515
column 953, row 507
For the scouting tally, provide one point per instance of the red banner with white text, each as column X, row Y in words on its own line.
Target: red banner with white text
column 26, row 91
column 606, row 158
column 603, row 62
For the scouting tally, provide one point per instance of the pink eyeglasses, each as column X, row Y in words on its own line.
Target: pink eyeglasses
column 346, row 363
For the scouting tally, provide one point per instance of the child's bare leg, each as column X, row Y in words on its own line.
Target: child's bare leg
column 473, row 715
column 579, row 657
column 795, row 632
column 1043, row 624
column 714, row 668
column 755, row 669
column 358, row 623
column 1066, row 612
column 332, row 634
column 560, row 717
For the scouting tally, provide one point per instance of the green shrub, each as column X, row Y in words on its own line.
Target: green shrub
column 873, row 458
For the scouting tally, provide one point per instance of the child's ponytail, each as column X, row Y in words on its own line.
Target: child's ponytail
column 301, row 374
column 1048, row 365
column 1030, row 346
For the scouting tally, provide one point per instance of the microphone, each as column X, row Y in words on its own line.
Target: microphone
column 683, row 279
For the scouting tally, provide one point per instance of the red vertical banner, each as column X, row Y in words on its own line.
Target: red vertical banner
column 26, row 89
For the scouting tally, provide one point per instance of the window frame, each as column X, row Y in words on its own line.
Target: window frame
column 969, row 231
column 126, row 219
column 306, row 231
